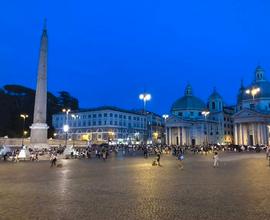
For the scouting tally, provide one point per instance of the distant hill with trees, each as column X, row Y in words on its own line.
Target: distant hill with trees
column 16, row 100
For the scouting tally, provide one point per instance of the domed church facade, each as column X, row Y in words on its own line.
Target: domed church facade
column 193, row 122
column 252, row 119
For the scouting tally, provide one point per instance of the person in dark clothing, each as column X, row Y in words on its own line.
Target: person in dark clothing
column 158, row 158
column 145, row 152
column 53, row 160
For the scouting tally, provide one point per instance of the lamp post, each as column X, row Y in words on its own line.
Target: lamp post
column 75, row 117
column 145, row 97
column 65, row 129
column 205, row 114
column 253, row 92
column 66, row 126
column 24, row 117
column 67, row 111
column 165, row 116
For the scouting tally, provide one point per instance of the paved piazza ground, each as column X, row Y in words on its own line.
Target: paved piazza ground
column 131, row 188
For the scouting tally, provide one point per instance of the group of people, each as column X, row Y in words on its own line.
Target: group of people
column 103, row 152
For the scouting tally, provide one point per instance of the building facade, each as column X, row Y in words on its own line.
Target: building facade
column 192, row 122
column 252, row 119
column 109, row 125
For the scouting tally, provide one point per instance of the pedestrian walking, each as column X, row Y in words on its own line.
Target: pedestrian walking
column 53, row 160
column 267, row 152
column 104, row 154
column 180, row 160
column 16, row 158
column 145, row 152
column 216, row 160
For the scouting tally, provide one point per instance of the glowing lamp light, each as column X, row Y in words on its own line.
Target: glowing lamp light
column 66, row 110
column 205, row 113
column 145, row 97
column 24, row 116
column 65, row 128
column 165, row 116
column 253, row 91
column 155, row 134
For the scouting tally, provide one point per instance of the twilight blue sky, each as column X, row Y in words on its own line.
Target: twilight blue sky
column 106, row 52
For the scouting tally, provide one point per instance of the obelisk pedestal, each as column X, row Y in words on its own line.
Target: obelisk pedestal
column 39, row 128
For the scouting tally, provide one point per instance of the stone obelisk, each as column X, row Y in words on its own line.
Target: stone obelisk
column 39, row 128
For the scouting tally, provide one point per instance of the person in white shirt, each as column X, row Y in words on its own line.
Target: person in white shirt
column 216, row 160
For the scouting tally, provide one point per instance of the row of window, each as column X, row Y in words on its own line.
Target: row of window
column 227, row 119
column 228, row 126
column 95, row 123
column 228, row 132
column 105, row 115
column 225, row 132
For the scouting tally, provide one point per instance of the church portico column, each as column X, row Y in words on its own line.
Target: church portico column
column 241, row 142
column 166, row 136
column 235, row 134
column 188, row 137
column 246, row 133
column 254, row 133
column 264, row 130
column 170, row 136
column 260, row 138
column 181, row 136
column 246, row 130
column 184, row 131
column 258, row 127
column 178, row 136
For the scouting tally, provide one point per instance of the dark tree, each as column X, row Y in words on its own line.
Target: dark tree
column 67, row 101
column 16, row 100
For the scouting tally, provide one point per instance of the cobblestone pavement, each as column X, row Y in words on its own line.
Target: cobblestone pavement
column 132, row 188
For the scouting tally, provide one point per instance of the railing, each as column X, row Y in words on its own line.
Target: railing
column 16, row 142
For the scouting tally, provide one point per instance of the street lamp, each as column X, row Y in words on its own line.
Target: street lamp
column 165, row 116
column 65, row 129
column 205, row 114
column 66, row 126
column 253, row 91
column 145, row 97
column 73, row 135
column 67, row 111
column 24, row 117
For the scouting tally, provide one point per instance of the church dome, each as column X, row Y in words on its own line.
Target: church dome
column 259, row 82
column 188, row 102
